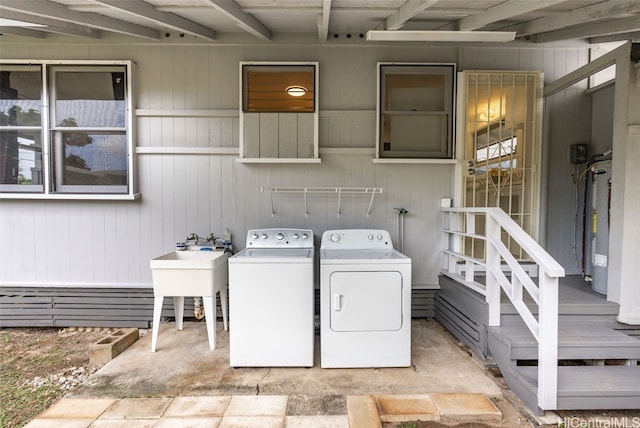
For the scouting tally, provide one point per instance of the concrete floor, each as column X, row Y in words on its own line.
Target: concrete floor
column 183, row 365
column 444, row 385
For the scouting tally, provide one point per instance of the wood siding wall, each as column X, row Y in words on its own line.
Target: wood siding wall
column 187, row 96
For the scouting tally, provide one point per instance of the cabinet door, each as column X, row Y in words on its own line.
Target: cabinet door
column 366, row 301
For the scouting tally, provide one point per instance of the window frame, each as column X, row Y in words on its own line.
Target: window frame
column 249, row 68
column 447, row 150
column 50, row 163
column 246, row 119
column 31, row 188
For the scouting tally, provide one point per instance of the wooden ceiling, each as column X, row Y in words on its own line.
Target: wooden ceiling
column 331, row 21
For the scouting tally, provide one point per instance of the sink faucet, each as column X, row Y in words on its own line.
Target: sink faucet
column 193, row 237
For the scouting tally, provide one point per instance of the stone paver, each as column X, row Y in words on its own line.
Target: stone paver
column 188, row 422
column 362, row 412
column 137, row 408
column 123, row 423
column 197, row 406
column 257, row 405
column 57, row 422
column 466, row 406
column 265, row 411
column 78, row 408
column 407, row 408
column 252, row 422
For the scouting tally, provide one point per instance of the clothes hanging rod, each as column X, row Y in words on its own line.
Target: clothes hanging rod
column 367, row 190
column 319, row 190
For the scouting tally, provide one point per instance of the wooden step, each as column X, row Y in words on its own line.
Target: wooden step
column 590, row 387
column 574, row 343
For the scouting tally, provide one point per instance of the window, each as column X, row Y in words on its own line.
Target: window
column 279, row 88
column 79, row 143
column 415, row 110
column 21, row 129
column 496, row 148
column 279, row 112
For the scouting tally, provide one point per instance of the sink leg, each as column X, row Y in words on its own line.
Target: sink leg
column 178, row 309
column 157, row 311
column 210, row 318
column 223, row 305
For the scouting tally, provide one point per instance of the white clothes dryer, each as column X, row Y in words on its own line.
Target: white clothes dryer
column 271, row 300
column 365, row 300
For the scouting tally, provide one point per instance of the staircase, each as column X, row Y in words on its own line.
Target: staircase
column 598, row 366
column 553, row 359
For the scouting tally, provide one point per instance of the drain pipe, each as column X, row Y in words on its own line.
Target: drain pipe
column 198, row 308
column 400, row 228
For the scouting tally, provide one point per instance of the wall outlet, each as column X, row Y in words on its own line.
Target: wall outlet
column 445, row 203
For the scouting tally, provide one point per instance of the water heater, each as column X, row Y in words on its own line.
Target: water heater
column 600, row 207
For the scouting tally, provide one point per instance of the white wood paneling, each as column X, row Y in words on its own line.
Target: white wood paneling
column 304, row 135
column 111, row 242
column 288, row 135
column 268, row 135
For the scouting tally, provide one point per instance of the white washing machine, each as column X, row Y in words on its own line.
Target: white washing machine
column 365, row 300
column 271, row 300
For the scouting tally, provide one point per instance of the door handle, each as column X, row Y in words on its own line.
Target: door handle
column 337, row 302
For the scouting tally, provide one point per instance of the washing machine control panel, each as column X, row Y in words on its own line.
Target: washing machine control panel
column 276, row 238
column 356, row 239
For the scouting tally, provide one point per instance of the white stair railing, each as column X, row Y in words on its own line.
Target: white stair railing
column 460, row 225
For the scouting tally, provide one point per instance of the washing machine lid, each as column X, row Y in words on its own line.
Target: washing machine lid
column 273, row 255
column 363, row 256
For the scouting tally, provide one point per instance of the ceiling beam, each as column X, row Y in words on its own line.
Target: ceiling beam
column 583, row 72
column 621, row 37
column 323, row 21
column 22, row 31
column 52, row 25
column 245, row 21
column 147, row 11
column 408, row 10
column 502, row 11
column 606, row 28
column 48, row 9
column 583, row 15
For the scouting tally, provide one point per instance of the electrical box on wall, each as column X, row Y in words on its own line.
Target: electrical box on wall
column 578, row 153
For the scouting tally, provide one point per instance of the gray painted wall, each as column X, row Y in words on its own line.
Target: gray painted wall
column 102, row 244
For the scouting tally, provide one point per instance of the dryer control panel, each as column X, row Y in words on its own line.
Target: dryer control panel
column 347, row 239
column 277, row 238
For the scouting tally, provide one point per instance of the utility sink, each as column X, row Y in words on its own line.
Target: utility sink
column 189, row 273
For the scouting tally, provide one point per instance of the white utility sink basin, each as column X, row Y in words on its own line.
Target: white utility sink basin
column 190, row 273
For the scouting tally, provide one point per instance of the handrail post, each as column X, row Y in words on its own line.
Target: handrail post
column 548, row 342
column 454, row 241
column 470, row 225
column 492, row 228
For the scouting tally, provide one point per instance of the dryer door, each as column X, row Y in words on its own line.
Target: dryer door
column 366, row 301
